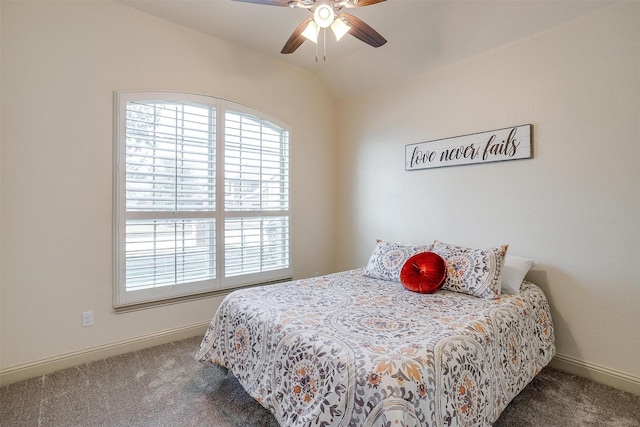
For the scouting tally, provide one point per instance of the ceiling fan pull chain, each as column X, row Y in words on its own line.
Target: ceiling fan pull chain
column 324, row 45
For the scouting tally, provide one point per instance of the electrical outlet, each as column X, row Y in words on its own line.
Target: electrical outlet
column 87, row 319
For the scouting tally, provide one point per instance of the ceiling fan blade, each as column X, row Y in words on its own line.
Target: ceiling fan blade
column 362, row 3
column 267, row 2
column 296, row 38
column 361, row 30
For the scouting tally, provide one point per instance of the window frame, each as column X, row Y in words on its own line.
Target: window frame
column 124, row 299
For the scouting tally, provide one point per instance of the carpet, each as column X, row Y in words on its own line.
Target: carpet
column 165, row 386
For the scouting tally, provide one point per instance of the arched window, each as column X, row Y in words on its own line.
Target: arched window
column 201, row 196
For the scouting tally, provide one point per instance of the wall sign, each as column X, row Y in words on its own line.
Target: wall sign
column 493, row 146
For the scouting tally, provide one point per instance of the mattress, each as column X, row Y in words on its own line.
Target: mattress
column 347, row 349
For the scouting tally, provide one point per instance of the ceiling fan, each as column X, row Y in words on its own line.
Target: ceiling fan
column 327, row 14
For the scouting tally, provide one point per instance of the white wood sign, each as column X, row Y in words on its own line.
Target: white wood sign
column 494, row 146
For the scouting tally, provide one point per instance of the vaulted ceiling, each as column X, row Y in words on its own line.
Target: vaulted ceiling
column 421, row 34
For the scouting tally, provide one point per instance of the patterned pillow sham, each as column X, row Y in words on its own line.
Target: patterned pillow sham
column 476, row 272
column 388, row 258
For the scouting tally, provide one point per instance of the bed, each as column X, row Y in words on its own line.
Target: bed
column 348, row 349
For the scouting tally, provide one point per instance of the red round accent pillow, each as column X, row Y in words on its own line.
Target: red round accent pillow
column 424, row 273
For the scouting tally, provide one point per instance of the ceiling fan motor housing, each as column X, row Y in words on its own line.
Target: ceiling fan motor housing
column 324, row 14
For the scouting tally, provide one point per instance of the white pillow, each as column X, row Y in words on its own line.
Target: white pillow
column 515, row 268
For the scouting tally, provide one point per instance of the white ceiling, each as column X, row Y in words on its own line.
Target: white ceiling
column 421, row 34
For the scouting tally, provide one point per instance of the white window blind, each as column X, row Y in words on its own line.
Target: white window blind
column 256, row 195
column 194, row 215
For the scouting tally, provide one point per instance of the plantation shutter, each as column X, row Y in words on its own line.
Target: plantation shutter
column 170, row 194
column 256, row 195
column 194, row 214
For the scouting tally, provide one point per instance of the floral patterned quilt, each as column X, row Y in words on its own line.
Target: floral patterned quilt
column 346, row 349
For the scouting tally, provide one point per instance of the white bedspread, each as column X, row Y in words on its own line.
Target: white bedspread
column 346, row 349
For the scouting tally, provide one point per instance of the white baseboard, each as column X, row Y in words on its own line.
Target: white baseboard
column 25, row 371
column 597, row 373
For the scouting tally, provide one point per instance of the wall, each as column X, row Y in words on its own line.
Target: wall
column 61, row 63
column 574, row 207
column 0, row 181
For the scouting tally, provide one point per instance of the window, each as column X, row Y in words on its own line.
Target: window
column 201, row 196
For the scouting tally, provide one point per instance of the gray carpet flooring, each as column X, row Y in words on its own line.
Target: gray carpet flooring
column 165, row 386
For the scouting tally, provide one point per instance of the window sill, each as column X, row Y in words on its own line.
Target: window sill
column 121, row 309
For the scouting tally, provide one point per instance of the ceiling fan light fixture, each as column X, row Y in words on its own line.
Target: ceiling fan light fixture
column 311, row 32
column 324, row 15
column 339, row 28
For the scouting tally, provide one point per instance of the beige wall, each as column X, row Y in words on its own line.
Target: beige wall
column 574, row 207
column 61, row 63
column 0, row 184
